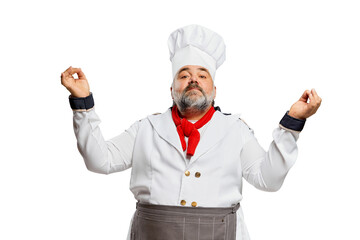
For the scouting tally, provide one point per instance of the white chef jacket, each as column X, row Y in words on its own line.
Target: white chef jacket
column 227, row 152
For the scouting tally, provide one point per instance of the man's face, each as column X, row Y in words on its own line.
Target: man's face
column 193, row 88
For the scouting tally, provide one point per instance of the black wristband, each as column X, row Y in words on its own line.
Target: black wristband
column 292, row 123
column 82, row 103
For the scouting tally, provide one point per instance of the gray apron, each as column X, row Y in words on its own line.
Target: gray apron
column 162, row 222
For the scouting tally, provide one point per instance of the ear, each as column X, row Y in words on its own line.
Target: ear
column 214, row 92
column 171, row 93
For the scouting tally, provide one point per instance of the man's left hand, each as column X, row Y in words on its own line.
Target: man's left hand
column 302, row 109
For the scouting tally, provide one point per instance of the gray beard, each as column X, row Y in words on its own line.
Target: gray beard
column 186, row 103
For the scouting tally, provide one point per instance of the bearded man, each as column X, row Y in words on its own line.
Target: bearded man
column 188, row 162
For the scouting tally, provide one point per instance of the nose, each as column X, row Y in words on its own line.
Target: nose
column 193, row 79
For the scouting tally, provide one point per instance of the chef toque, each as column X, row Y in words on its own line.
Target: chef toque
column 196, row 45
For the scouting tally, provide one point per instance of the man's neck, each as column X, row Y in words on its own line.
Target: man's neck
column 191, row 114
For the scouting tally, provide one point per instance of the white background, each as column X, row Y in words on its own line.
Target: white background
column 275, row 51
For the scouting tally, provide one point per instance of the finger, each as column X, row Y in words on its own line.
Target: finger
column 312, row 98
column 81, row 75
column 75, row 70
column 305, row 96
column 66, row 76
column 317, row 98
column 67, row 72
column 71, row 71
column 64, row 80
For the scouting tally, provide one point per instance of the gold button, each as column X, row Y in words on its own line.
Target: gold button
column 187, row 173
column 183, row 202
column 197, row 174
column 193, row 204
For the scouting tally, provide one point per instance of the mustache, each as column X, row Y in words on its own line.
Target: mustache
column 193, row 86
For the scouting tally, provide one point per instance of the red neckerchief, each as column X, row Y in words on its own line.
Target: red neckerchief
column 190, row 130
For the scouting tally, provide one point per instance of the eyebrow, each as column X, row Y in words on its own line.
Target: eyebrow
column 201, row 69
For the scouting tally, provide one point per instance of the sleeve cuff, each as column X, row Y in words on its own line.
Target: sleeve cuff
column 292, row 123
column 82, row 103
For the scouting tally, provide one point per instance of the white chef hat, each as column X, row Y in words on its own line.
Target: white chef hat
column 196, row 45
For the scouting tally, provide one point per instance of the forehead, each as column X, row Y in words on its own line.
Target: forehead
column 191, row 68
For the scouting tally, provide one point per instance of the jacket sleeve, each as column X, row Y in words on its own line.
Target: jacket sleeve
column 267, row 170
column 100, row 156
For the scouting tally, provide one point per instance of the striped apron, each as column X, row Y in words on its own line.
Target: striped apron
column 163, row 222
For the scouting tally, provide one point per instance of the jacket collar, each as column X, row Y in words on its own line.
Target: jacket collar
column 217, row 128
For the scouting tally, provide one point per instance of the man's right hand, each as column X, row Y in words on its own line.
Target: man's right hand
column 77, row 87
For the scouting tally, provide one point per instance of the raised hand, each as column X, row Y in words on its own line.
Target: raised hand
column 77, row 87
column 302, row 109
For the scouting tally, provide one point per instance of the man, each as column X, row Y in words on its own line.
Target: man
column 188, row 163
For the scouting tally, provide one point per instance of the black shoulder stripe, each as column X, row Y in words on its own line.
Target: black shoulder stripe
column 217, row 108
